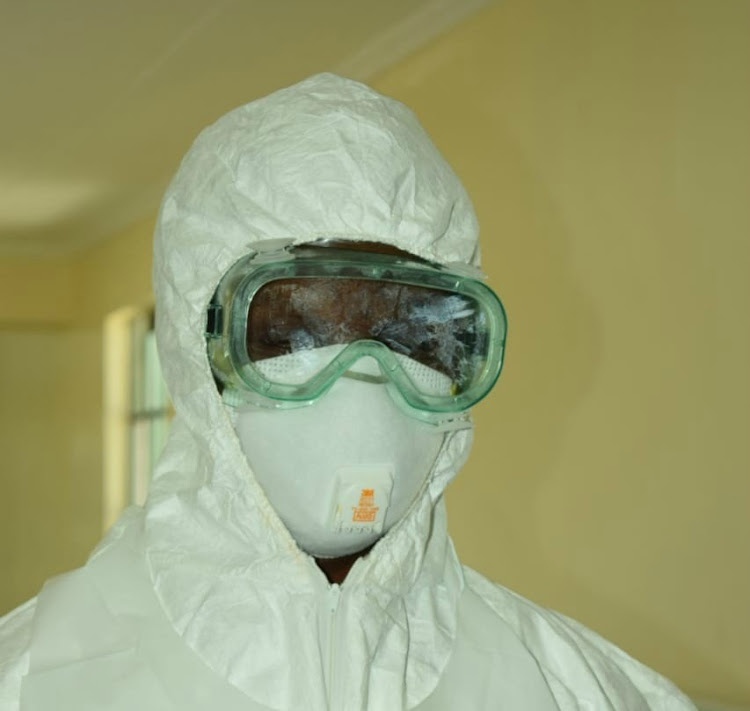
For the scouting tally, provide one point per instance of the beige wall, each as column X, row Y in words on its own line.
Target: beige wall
column 606, row 147
column 50, row 482
column 35, row 292
column 114, row 274
column 51, row 318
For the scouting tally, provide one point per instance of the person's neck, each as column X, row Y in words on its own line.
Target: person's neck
column 336, row 569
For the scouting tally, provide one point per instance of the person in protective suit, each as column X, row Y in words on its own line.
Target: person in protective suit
column 317, row 259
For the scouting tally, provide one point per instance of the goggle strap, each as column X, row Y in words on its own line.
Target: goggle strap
column 460, row 422
column 214, row 320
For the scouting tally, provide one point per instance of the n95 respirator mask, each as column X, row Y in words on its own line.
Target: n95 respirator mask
column 342, row 471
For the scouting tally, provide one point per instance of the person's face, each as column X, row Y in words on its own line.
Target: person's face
column 322, row 312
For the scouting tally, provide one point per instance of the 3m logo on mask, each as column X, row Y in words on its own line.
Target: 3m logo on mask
column 362, row 497
column 366, row 511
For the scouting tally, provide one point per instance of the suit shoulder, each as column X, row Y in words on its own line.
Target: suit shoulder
column 15, row 639
column 579, row 665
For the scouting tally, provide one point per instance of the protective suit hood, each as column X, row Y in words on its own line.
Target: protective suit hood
column 326, row 158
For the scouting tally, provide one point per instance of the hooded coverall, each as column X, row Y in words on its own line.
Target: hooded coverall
column 201, row 599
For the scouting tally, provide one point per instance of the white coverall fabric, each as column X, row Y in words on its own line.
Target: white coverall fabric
column 202, row 599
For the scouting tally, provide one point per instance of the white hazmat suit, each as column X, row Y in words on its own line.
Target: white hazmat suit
column 202, row 599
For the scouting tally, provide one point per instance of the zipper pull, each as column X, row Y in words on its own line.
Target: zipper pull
column 333, row 596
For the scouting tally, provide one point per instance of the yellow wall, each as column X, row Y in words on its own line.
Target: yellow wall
column 50, row 477
column 114, row 274
column 35, row 292
column 607, row 148
column 51, row 319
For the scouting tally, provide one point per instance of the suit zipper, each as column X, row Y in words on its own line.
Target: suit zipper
column 334, row 596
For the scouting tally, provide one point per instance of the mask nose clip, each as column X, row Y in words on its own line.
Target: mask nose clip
column 366, row 369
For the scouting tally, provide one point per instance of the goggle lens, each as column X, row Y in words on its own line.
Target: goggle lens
column 441, row 330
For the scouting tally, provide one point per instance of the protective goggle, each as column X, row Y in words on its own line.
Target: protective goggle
column 286, row 322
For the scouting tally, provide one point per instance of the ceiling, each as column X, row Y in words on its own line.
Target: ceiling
column 102, row 97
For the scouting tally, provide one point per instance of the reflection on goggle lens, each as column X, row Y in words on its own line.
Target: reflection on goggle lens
column 438, row 329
